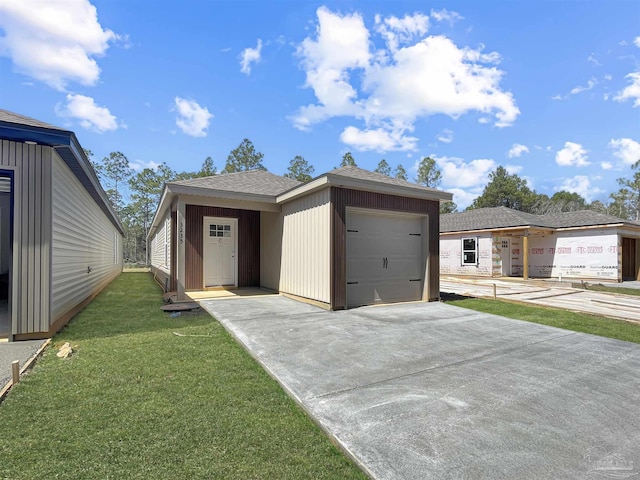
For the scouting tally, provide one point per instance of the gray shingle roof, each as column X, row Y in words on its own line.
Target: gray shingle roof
column 11, row 117
column 503, row 217
column 361, row 174
column 259, row 182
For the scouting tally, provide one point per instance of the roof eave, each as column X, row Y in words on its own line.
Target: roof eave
column 362, row 184
column 178, row 189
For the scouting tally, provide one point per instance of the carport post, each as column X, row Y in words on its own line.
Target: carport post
column 525, row 262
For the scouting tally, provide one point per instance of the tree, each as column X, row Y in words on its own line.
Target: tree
column 348, row 160
column 562, row 201
column 244, row 158
column 146, row 188
column 208, row 169
column 428, row 173
column 299, row 169
column 505, row 190
column 384, row 168
column 633, row 184
column 448, row 207
column 115, row 171
column 400, row 173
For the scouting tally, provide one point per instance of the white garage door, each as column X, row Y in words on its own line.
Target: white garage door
column 384, row 258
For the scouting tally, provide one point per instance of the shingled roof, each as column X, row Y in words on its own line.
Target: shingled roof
column 259, row 182
column 11, row 117
column 361, row 174
column 496, row 218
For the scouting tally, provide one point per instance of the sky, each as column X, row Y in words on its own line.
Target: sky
column 548, row 89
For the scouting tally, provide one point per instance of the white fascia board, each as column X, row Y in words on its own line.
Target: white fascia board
column 230, row 203
column 306, row 189
column 209, row 192
column 366, row 185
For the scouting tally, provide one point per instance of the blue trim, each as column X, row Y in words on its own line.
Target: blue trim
column 68, row 147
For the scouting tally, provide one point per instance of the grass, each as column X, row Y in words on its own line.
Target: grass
column 622, row 290
column 136, row 401
column 578, row 322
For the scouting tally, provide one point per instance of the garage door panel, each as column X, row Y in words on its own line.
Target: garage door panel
column 384, row 258
column 368, row 292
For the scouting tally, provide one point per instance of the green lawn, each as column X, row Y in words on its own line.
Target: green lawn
column 622, row 290
column 136, row 401
column 579, row 322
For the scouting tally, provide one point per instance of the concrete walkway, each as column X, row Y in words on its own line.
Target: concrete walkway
column 625, row 307
column 432, row 391
column 10, row 351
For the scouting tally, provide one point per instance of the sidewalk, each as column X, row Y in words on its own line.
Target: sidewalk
column 11, row 351
column 612, row 305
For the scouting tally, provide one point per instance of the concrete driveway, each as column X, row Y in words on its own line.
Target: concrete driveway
column 427, row 390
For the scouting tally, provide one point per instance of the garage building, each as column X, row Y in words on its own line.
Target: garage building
column 347, row 238
column 60, row 240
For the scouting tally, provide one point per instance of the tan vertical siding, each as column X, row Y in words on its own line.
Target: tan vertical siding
column 306, row 247
column 32, row 234
column 341, row 198
column 83, row 238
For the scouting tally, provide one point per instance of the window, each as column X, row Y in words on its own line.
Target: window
column 470, row 251
column 220, row 230
column 505, row 244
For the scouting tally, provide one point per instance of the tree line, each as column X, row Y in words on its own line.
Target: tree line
column 135, row 195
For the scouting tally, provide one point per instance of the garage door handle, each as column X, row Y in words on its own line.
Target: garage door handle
column 352, row 283
column 385, row 262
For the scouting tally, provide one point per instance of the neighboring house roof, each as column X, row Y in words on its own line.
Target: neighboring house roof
column 497, row 218
column 258, row 182
column 19, row 128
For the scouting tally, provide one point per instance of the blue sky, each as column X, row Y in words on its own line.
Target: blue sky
column 550, row 90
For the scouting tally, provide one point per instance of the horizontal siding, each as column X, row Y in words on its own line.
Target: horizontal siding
column 32, row 234
column 248, row 254
column 83, row 238
column 161, row 239
column 306, row 247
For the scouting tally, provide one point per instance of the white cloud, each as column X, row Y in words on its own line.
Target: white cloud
column 608, row 76
column 516, row 150
column 139, row 165
column 579, row 89
column 572, row 155
column 592, row 59
column 398, row 31
column 415, row 76
column 606, row 165
column 249, row 56
column 625, row 149
column 446, row 136
column 631, row 92
column 54, row 42
column 378, row 139
column 636, row 41
column 91, row 116
column 458, row 173
column 513, row 169
column 192, row 118
column 464, row 197
column 580, row 184
column 445, row 16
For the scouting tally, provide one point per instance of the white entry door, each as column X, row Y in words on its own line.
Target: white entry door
column 384, row 258
column 219, row 251
column 505, row 256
